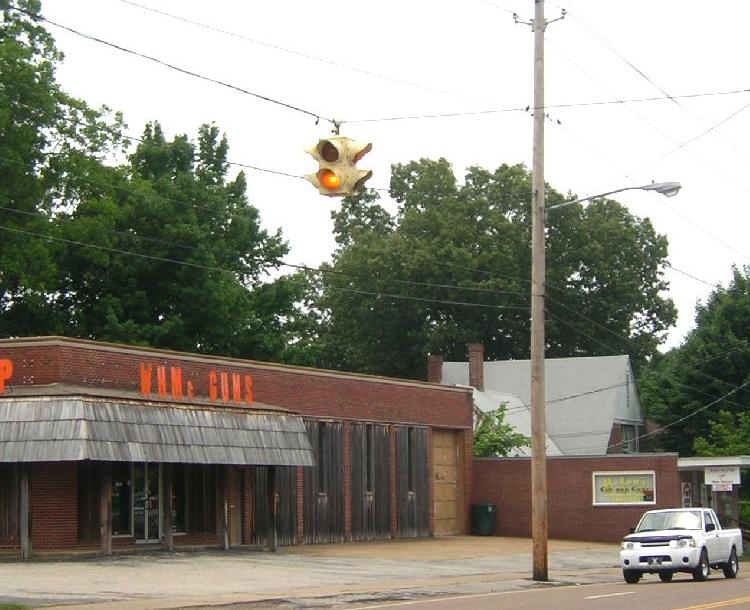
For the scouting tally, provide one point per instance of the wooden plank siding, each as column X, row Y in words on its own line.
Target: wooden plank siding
column 286, row 521
column 324, row 483
column 412, row 482
column 69, row 429
column 371, row 507
column 9, row 498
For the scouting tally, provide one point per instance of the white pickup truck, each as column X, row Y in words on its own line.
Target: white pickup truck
column 680, row 540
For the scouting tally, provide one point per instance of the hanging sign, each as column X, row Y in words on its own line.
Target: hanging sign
column 721, row 487
column 716, row 475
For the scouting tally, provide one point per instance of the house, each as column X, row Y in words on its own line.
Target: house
column 592, row 403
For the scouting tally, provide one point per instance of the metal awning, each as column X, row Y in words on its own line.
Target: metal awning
column 57, row 429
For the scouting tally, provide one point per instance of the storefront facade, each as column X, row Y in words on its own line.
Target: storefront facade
column 107, row 446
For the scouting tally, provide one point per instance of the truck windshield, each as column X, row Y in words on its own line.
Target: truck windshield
column 682, row 520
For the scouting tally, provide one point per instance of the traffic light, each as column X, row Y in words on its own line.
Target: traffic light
column 337, row 157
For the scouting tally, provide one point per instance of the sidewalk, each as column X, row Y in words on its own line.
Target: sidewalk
column 323, row 575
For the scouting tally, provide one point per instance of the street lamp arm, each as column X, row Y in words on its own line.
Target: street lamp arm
column 668, row 189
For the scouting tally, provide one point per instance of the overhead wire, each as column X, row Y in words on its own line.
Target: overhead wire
column 195, row 205
column 300, row 53
column 207, row 78
column 693, row 277
column 629, row 176
column 529, row 108
column 369, row 293
column 266, row 98
column 166, row 64
column 235, row 272
column 641, row 73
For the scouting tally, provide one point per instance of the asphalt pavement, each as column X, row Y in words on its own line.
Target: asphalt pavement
column 305, row 576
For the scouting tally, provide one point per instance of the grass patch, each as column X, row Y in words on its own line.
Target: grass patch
column 12, row 607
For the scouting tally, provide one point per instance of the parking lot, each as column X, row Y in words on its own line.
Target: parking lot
column 315, row 575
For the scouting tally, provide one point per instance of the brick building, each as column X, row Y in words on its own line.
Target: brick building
column 592, row 498
column 105, row 445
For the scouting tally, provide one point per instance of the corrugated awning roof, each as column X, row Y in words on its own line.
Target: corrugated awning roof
column 50, row 429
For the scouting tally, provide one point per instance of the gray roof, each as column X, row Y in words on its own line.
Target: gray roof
column 517, row 414
column 40, row 429
column 584, row 396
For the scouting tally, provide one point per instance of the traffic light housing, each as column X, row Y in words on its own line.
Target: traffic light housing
column 337, row 158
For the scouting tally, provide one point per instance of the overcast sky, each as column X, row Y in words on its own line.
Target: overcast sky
column 359, row 61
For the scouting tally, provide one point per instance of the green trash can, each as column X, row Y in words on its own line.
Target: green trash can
column 483, row 519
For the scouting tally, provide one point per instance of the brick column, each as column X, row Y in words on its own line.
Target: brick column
column 476, row 365
column 435, row 369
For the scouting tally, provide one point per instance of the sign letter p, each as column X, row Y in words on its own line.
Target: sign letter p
column 6, row 372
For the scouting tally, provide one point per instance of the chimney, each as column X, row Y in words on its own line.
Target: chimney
column 435, row 369
column 476, row 365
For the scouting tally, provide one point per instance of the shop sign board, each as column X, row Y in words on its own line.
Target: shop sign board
column 716, row 475
column 624, row 488
column 721, row 487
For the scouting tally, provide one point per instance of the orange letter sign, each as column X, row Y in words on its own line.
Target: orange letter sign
column 6, row 371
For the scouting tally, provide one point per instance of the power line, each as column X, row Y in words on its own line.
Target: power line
column 406, row 282
column 172, row 66
column 692, row 277
column 689, row 415
column 645, row 77
column 280, row 262
column 693, row 139
column 657, row 129
column 627, row 340
column 300, row 53
column 529, row 108
column 370, row 293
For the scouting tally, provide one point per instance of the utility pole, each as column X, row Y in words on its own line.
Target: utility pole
column 539, row 519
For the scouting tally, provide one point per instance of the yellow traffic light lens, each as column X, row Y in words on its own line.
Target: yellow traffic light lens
column 329, row 179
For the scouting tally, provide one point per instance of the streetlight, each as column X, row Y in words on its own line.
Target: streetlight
column 668, row 189
column 539, row 517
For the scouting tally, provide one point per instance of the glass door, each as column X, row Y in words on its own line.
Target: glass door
column 146, row 514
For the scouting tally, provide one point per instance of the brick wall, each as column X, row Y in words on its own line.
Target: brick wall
column 506, row 482
column 54, row 507
column 310, row 392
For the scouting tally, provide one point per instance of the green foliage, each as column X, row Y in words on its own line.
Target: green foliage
column 164, row 250
column 494, row 438
column 729, row 434
column 198, row 280
column 45, row 137
column 458, row 256
column 694, row 388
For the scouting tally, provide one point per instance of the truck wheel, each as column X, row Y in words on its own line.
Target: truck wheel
column 702, row 570
column 666, row 576
column 732, row 566
column 631, row 576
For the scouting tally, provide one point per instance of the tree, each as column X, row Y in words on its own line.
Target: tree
column 175, row 256
column 729, row 435
column 45, row 136
column 494, row 438
column 701, row 390
column 452, row 266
